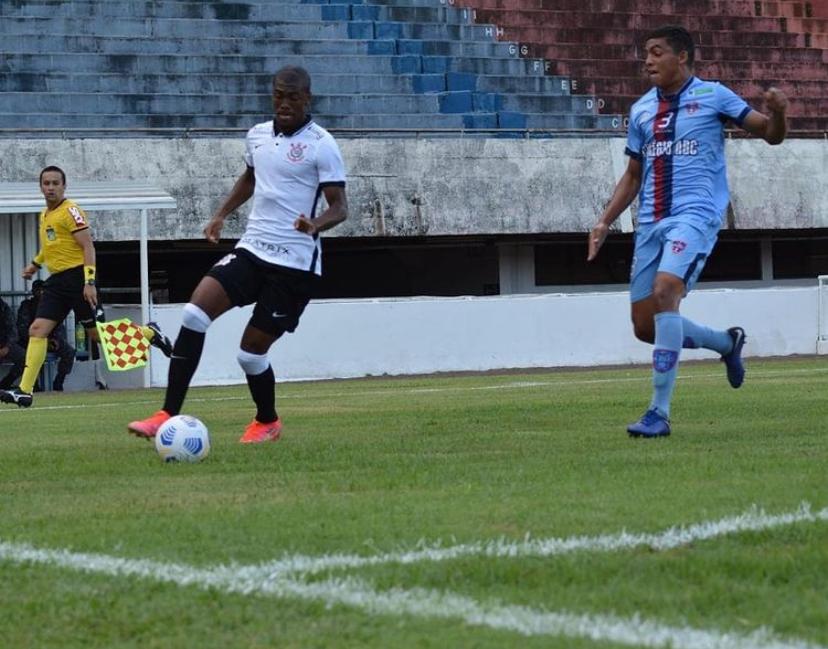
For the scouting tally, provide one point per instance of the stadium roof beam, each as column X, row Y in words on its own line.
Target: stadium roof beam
column 112, row 195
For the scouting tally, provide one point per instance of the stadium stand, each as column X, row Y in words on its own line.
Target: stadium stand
column 748, row 45
column 136, row 64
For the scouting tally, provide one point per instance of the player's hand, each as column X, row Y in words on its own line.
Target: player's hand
column 776, row 100
column 212, row 231
column 29, row 271
column 90, row 295
column 596, row 239
column 304, row 224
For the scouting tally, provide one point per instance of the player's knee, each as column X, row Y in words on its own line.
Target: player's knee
column 667, row 294
column 253, row 364
column 195, row 319
column 644, row 331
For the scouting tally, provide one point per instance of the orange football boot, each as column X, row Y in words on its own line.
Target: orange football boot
column 147, row 428
column 257, row 432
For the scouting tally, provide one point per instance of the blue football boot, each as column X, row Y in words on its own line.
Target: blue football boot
column 733, row 360
column 651, row 424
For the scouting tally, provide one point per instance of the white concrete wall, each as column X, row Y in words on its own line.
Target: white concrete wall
column 411, row 336
column 405, row 187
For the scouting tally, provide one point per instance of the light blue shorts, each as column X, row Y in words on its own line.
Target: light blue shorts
column 672, row 245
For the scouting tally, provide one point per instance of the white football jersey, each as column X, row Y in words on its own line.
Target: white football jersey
column 291, row 171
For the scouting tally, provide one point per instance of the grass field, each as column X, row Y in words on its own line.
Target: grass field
column 497, row 510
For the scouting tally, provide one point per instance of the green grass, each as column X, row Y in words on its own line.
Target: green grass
column 371, row 466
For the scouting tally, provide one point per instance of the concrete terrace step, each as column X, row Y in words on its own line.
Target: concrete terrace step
column 257, row 83
column 808, row 25
column 135, row 120
column 730, row 54
column 635, row 87
column 678, row 7
column 217, row 83
column 546, row 85
column 190, row 28
column 280, row 12
column 333, row 104
column 33, row 43
column 51, row 62
column 811, row 107
column 581, row 69
column 504, row 120
column 589, row 36
column 636, row 23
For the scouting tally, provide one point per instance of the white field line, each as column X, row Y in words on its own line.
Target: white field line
column 417, row 602
column 752, row 520
column 512, row 385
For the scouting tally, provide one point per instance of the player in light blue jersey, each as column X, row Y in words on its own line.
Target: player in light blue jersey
column 677, row 170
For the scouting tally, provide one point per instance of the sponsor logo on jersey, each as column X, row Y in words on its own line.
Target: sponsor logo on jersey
column 669, row 148
column 700, row 91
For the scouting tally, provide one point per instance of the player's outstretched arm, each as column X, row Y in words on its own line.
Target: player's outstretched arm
column 336, row 213
column 238, row 196
column 774, row 127
column 625, row 192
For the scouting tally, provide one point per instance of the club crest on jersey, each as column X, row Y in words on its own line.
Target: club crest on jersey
column 692, row 108
column 297, row 152
column 678, row 246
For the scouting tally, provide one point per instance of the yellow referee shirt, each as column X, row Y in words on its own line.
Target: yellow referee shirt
column 58, row 247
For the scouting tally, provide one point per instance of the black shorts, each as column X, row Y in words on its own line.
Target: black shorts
column 280, row 293
column 62, row 293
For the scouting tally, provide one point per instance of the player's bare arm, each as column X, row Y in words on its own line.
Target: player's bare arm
column 238, row 196
column 774, row 127
column 336, row 213
column 84, row 239
column 625, row 192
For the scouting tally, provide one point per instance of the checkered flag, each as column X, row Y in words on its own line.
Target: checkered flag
column 123, row 344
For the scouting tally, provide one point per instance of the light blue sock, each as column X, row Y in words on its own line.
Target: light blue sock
column 696, row 335
column 668, row 338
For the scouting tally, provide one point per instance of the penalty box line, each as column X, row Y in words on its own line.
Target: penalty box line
column 635, row 631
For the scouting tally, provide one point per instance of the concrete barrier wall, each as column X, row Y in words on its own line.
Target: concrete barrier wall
column 451, row 186
column 413, row 336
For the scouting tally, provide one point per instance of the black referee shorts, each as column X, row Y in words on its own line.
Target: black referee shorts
column 62, row 293
column 280, row 293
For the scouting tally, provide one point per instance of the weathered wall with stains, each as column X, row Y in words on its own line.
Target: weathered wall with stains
column 402, row 187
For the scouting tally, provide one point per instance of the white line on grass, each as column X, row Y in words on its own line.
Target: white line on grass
column 512, row 385
column 418, row 602
column 752, row 520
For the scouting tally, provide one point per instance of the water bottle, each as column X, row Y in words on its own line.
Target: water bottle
column 81, row 348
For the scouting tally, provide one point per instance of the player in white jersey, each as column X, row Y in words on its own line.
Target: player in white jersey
column 276, row 265
column 677, row 169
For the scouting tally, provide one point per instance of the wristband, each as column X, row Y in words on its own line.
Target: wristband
column 34, row 263
column 89, row 274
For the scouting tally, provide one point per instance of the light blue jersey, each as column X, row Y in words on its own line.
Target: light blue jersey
column 679, row 140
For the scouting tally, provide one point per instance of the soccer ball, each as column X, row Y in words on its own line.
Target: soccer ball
column 182, row 439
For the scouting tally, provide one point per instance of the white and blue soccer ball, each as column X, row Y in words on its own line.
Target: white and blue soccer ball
column 182, row 439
